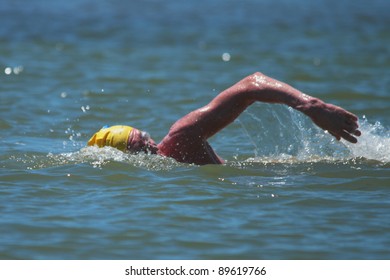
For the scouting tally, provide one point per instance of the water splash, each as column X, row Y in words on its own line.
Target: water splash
column 98, row 158
column 278, row 135
column 285, row 135
column 373, row 144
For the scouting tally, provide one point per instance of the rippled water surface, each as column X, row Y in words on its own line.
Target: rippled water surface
column 287, row 191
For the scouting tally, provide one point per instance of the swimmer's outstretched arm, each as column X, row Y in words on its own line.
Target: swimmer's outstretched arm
column 229, row 104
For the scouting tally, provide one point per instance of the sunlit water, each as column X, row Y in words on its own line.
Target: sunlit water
column 288, row 189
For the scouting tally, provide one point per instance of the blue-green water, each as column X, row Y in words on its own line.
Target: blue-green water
column 288, row 190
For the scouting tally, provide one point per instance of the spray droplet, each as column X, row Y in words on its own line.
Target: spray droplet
column 8, row 71
column 226, row 56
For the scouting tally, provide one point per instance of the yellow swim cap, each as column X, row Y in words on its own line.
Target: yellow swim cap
column 115, row 136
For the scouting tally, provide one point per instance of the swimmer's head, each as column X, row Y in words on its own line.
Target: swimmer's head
column 124, row 138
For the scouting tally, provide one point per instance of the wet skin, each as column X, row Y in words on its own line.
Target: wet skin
column 186, row 140
column 140, row 141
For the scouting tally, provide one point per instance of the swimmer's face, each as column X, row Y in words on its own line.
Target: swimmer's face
column 140, row 141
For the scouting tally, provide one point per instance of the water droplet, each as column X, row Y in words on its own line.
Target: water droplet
column 226, row 56
column 17, row 70
column 8, row 70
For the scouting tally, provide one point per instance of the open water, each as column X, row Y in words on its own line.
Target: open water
column 287, row 191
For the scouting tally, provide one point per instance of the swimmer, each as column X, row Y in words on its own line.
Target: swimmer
column 187, row 142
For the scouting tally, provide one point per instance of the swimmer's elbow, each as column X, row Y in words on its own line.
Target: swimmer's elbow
column 257, row 74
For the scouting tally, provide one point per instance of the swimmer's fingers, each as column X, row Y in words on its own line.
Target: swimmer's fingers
column 352, row 126
column 338, row 138
column 343, row 135
column 335, row 120
column 351, row 123
column 357, row 133
column 346, row 128
column 350, row 116
column 347, row 136
column 343, row 124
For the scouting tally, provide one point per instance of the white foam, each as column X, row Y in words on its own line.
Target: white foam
column 283, row 135
column 374, row 143
column 99, row 157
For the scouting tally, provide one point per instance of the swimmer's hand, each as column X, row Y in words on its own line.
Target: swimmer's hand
column 333, row 119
